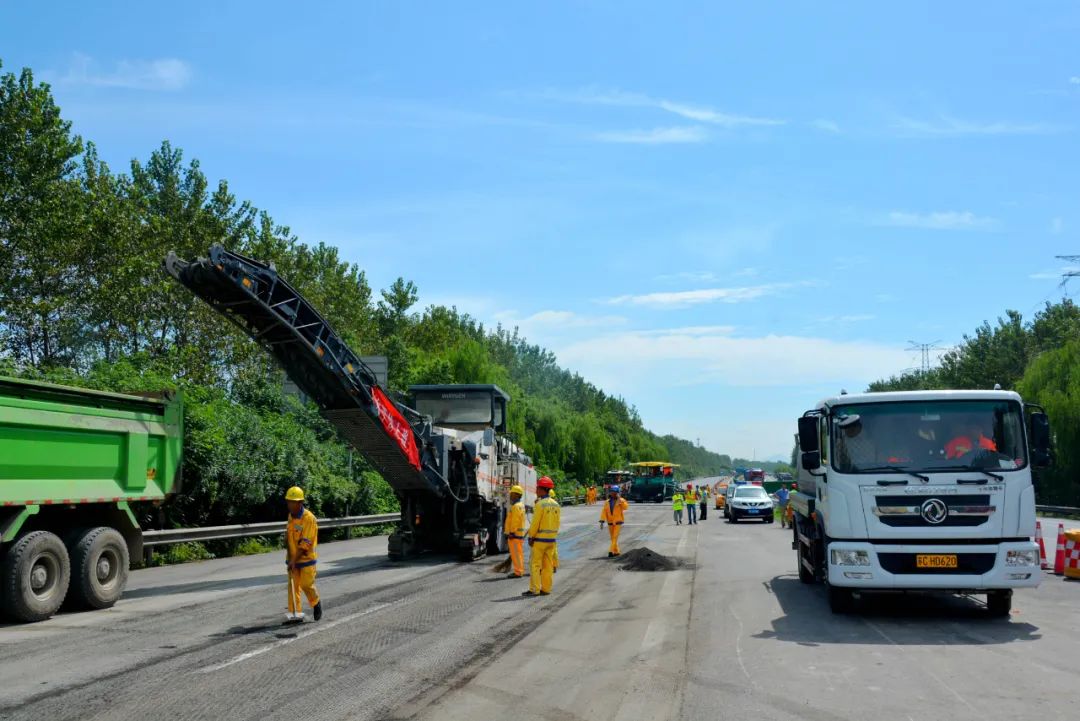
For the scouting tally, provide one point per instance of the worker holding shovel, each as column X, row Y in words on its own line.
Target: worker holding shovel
column 301, row 540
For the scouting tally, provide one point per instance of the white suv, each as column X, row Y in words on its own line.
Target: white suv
column 749, row 502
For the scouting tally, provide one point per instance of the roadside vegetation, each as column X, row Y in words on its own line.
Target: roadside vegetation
column 84, row 301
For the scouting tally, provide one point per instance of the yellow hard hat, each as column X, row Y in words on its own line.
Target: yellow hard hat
column 518, row 490
column 296, row 493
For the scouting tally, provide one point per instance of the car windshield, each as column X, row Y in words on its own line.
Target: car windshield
column 935, row 435
column 752, row 492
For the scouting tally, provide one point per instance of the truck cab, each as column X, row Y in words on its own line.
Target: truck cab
column 924, row 490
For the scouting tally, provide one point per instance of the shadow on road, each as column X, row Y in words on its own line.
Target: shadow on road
column 898, row 618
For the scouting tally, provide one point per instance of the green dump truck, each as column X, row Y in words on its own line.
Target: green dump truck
column 71, row 462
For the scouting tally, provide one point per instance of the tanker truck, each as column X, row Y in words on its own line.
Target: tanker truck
column 445, row 453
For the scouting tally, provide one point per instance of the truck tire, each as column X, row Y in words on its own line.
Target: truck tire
column 34, row 577
column 841, row 600
column 99, row 567
column 999, row 603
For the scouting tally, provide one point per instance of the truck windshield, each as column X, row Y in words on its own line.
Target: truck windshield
column 452, row 408
column 938, row 435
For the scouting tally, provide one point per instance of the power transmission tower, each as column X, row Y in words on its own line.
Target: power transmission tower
column 924, row 349
column 1074, row 272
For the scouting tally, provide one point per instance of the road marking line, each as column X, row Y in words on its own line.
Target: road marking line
column 303, row 634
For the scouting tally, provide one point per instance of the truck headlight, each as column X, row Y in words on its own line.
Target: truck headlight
column 849, row 558
column 1022, row 558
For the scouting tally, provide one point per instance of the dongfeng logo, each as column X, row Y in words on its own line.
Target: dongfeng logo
column 935, row 511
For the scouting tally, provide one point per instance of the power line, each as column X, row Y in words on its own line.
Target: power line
column 1067, row 273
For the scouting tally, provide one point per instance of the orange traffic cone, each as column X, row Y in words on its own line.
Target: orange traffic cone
column 1059, row 554
column 1043, row 563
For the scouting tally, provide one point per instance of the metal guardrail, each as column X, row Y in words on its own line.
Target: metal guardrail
column 165, row 537
column 1059, row 510
column 275, row 528
column 245, row 530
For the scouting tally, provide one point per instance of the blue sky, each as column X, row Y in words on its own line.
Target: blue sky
column 720, row 212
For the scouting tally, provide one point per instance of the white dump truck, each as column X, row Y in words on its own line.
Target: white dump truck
column 920, row 491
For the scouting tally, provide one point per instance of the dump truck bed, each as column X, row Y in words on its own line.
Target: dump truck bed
column 62, row 445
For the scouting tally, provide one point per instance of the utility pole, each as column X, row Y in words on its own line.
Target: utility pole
column 924, row 349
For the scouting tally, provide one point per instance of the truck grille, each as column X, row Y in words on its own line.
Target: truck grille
column 971, row 564
column 906, row 511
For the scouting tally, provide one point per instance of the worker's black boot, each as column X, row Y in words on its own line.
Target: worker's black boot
column 317, row 611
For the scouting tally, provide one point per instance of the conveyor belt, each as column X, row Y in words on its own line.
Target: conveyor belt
column 284, row 323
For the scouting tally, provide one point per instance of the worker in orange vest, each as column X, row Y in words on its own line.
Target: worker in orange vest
column 967, row 441
column 613, row 513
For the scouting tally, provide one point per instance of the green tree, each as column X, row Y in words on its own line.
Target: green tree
column 40, row 225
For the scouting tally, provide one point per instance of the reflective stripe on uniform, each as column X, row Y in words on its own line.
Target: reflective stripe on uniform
column 305, row 564
column 544, row 540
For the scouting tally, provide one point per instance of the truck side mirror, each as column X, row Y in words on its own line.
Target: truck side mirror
column 808, row 436
column 489, row 436
column 811, row 460
column 1039, row 427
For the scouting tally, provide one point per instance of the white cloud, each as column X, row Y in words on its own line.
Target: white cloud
column 828, row 126
column 713, row 117
column 746, row 273
column 946, row 126
column 699, row 113
column 1074, row 80
column 655, row 136
column 677, row 357
column 1054, row 274
column 943, row 220
column 560, row 319
column 684, row 298
column 1057, row 225
column 156, row 74
column 692, row 330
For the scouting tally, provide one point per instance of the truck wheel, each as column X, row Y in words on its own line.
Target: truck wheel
column 841, row 600
column 999, row 603
column 99, row 563
column 34, row 576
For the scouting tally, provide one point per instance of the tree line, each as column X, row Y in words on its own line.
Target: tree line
column 1040, row 359
column 83, row 301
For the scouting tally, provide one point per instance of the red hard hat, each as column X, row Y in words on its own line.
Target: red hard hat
column 545, row 482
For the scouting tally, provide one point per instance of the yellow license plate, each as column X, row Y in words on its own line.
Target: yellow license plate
column 936, row 560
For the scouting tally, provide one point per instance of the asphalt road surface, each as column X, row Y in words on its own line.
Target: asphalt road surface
column 733, row 636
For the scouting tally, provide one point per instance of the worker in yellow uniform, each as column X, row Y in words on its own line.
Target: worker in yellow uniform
column 514, row 528
column 301, row 541
column 542, row 536
column 613, row 514
column 691, row 504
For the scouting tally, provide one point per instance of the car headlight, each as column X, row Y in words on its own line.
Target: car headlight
column 1022, row 558
column 849, row 558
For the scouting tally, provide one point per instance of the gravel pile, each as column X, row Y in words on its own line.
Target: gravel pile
column 645, row 559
